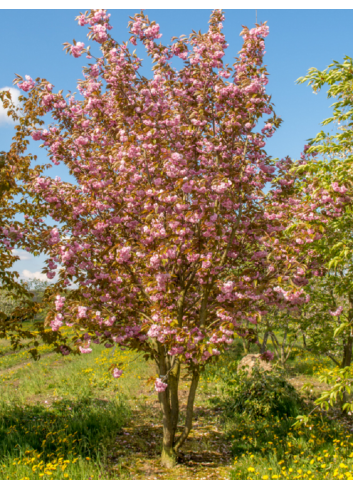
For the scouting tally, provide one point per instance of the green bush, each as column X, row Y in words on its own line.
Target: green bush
column 261, row 394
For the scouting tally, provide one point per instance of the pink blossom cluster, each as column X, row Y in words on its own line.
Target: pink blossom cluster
column 59, row 302
column 26, row 85
column 336, row 313
column 57, row 322
column 337, row 188
column 160, row 386
column 76, row 50
column 85, row 348
column 117, row 373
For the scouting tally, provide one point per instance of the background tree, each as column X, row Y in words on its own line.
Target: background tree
column 329, row 179
column 21, row 226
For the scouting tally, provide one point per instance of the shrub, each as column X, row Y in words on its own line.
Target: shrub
column 260, row 395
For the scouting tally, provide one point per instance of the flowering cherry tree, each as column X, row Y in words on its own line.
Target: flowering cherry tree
column 167, row 234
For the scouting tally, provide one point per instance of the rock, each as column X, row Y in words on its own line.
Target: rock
column 249, row 362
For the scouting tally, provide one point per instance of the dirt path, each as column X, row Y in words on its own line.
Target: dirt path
column 205, row 455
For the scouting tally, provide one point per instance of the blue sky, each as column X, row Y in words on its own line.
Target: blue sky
column 31, row 44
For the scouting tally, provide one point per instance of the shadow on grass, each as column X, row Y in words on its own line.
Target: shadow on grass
column 205, row 454
column 65, row 429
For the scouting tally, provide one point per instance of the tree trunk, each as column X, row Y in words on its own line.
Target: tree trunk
column 283, row 347
column 189, row 409
column 264, row 342
column 169, row 457
column 347, row 352
column 169, row 401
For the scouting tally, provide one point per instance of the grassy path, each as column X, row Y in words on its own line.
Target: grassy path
column 205, row 455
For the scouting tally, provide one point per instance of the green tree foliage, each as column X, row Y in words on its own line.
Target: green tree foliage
column 327, row 174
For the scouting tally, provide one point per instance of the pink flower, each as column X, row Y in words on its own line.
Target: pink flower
column 81, row 141
column 54, row 236
column 36, row 135
column 267, row 356
column 82, row 20
column 160, row 386
column 227, row 287
column 339, row 189
column 26, row 85
column 100, row 34
column 77, row 49
column 64, row 350
column 176, row 157
column 125, row 254
column 59, row 302
column 176, row 350
column 57, row 322
column 85, row 350
column 117, row 373
column 81, row 312
column 338, row 312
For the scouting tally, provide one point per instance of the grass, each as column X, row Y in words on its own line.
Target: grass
column 68, row 418
column 59, row 416
column 67, row 440
column 272, row 448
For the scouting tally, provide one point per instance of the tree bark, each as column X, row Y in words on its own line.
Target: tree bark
column 189, row 409
column 169, row 457
column 347, row 352
column 283, row 347
column 264, row 342
column 173, row 385
column 169, row 401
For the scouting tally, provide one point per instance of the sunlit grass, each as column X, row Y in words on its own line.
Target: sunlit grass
column 59, row 416
column 274, row 449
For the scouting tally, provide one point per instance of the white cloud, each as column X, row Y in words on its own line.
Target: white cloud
column 39, row 275
column 23, row 255
column 15, row 93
